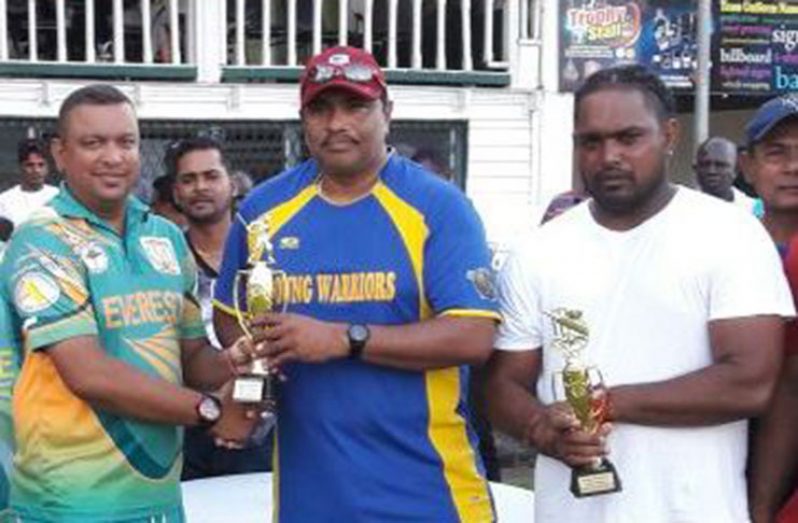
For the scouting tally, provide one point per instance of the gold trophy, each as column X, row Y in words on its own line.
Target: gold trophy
column 261, row 282
column 583, row 387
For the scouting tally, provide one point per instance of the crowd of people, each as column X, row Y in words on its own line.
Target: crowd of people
column 121, row 335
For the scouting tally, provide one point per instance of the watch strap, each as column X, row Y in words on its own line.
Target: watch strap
column 204, row 420
column 357, row 334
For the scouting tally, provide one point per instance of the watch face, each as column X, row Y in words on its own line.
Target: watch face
column 209, row 409
column 358, row 333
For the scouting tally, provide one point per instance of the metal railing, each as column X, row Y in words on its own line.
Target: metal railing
column 439, row 35
column 52, row 30
column 412, row 34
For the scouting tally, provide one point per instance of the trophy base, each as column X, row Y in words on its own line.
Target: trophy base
column 595, row 480
column 255, row 389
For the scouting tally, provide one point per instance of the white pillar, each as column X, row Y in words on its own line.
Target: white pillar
column 210, row 22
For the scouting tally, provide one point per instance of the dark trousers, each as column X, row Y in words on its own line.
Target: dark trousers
column 203, row 459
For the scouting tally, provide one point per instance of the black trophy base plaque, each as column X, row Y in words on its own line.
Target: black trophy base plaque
column 595, row 480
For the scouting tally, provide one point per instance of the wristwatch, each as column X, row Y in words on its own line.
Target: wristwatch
column 357, row 334
column 209, row 410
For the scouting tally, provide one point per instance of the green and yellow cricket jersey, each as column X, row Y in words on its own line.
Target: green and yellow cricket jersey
column 67, row 273
column 9, row 367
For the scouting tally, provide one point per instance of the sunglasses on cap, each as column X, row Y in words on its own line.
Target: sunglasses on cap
column 357, row 73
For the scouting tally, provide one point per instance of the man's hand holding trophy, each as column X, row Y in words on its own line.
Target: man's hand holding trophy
column 261, row 283
column 577, row 423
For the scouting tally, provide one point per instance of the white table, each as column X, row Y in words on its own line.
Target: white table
column 246, row 498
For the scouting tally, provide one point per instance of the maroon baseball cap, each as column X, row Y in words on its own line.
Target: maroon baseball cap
column 346, row 68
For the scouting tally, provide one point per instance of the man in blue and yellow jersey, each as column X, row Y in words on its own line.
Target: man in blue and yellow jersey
column 389, row 299
column 101, row 293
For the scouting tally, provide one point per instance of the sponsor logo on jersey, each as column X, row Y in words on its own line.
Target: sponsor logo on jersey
column 161, row 254
column 289, row 243
column 353, row 287
column 94, row 257
column 35, row 291
column 138, row 308
column 482, row 279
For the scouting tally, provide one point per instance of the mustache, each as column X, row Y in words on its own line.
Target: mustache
column 613, row 173
column 341, row 135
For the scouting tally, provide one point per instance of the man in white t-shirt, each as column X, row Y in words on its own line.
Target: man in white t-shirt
column 684, row 298
column 715, row 168
column 19, row 202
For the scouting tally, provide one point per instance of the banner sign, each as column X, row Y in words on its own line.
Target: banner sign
column 599, row 34
column 754, row 42
column 755, row 49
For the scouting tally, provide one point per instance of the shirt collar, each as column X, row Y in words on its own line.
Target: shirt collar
column 66, row 204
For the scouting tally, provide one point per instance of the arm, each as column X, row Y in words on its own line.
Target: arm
column 514, row 409
column 206, row 368
column 226, row 327
column 746, row 354
column 775, row 448
column 113, row 385
column 444, row 341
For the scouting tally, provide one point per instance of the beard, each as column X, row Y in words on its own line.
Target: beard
column 206, row 216
column 629, row 194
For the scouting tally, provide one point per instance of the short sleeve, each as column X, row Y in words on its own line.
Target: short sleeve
column 234, row 259
column 458, row 278
column 47, row 287
column 747, row 278
column 519, row 304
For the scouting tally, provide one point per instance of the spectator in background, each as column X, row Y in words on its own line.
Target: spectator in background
column 771, row 166
column 715, row 168
column 432, row 161
column 163, row 200
column 561, row 203
column 242, row 184
column 204, row 190
column 6, row 228
column 20, row 201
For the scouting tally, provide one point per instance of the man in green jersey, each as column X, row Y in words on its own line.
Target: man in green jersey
column 113, row 347
column 8, row 371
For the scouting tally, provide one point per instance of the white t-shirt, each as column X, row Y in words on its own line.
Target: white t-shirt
column 646, row 295
column 742, row 200
column 17, row 205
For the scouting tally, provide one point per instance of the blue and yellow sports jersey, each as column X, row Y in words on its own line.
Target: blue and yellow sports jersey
column 357, row 441
column 66, row 274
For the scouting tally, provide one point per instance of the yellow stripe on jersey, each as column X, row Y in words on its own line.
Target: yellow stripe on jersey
column 40, row 393
column 282, row 214
column 473, row 313
column 413, row 230
column 84, row 317
column 447, row 429
column 160, row 357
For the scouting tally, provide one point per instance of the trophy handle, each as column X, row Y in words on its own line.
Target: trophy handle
column 242, row 321
column 598, row 395
column 595, row 377
column 280, row 290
